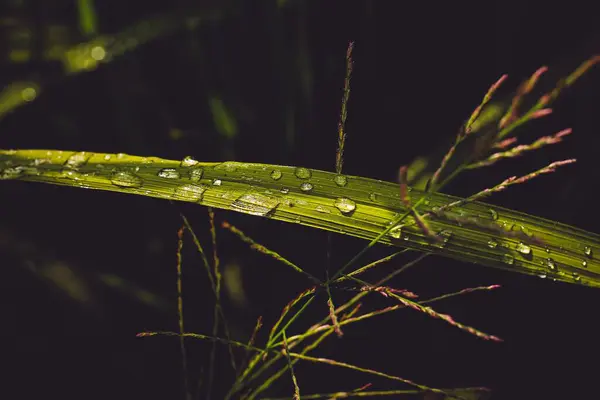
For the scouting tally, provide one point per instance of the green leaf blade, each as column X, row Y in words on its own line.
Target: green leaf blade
column 357, row 206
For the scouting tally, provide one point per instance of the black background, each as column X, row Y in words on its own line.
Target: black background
column 420, row 69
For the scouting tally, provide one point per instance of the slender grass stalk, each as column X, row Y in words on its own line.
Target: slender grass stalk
column 291, row 368
column 380, row 393
column 217, row 307
column 184, row 368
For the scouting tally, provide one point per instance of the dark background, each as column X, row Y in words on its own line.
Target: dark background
column 72, row 260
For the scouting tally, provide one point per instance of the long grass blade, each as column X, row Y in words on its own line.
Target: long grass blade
column 357, row 206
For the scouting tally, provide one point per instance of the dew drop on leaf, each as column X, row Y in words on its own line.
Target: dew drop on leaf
column 396, row 232
column 12, row 172
column 302, row 173
column 276, row 174
column 584, row 263
column 306, row 187
column 322, row 209
column 217, row 182
column 189, row 161
column 169, row 173
column 492, row 244
column 550, row 264
column 189, row 192
column 40, row 161
column 196, row 174
column 285, row 190
column 255, row 204
column 526, row 231
column 340, row 180
column 576, row 277
column 126, row 179
column 443, row 238
column 70, row 174
column 523, row 248
column 78, row 160
column 588, row 251
column 508, row 259
column 345, row 205
column 228, row 166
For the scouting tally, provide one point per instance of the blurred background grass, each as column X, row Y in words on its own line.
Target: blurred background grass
column 262, row 81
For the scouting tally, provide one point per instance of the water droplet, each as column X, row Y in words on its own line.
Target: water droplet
column 78, row 160
column 217, row 182
column 228, row 166
column 523, row 248
column 70, row 174
column 323, row 210
column 508, row 225
column 373, row 196
column 196, row 174
column 255, row 204
column 126, row 179
column 494, row 214
column 526, row 231
column 584, row 263
column 542, row 275
column 492, row 244
column 306, row 187
column 443, row 238
column 169, row 173
column 40, row 161
column 396, row 232
column 340, row 180
column 345, row 205
column 189, row 161
column 276, row 174
column 550, row 264
column 107, row 157
column 588, row 251
column 12, row 172
column 508, row 259
column 189, row 192
column 285, row 190
column 576, row 277
column 302, row 173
